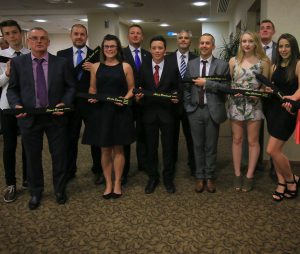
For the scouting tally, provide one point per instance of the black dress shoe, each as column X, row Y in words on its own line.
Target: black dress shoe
column 99, row 179
column 34, row 202
column 61, row 197
column 151, row 185
column 116, row 195
column 170, row 187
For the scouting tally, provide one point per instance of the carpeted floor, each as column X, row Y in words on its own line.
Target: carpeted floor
column 185, row 222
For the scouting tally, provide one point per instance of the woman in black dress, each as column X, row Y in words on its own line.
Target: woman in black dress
column 111, row 125
column 280, row 120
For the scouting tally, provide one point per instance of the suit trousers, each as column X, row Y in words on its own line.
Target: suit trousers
column 57, row 140
column 10, row 133
column 74, row 127
column 205, row 133
column 167, row 140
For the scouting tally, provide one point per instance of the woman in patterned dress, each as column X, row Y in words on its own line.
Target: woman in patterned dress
column 246, row 111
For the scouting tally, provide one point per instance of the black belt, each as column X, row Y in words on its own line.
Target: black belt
column 36, row 111
column 103, row 97
column 156, row 94
column 245, row 92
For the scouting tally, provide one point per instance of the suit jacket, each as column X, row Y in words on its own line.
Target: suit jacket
column 21, row 89
column 154, row 107
column 83, row 84
column 215, row 100
column 146, row 57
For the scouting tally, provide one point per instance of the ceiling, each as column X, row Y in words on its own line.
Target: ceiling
column 62, row 14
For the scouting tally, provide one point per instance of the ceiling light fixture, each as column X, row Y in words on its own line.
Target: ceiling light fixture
column 202, row 19
column 111, row 5
column 84, row 20
column 136, row 20
column 199, row 3
column 40, row 20
column 164, row 25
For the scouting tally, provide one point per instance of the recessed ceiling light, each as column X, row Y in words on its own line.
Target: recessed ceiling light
column 136, row 20
column 84, row 20
column 171, row 34
column 202, row 19
column 40, row 20
column 200, row 3
column 110, row 5
column 164, row 24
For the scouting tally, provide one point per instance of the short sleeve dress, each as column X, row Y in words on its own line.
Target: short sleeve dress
column 244, row 108
column 281, row 124
column 109, row 124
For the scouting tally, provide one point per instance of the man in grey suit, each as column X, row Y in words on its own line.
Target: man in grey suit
column 206, row 110
column 39, row 80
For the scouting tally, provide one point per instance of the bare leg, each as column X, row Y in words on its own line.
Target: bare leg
column 119, row 162
column 237, row 141
column 106, row 161
column 253, row 144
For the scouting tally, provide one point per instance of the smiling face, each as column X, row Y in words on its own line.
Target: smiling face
column 247, row 43
column 78, row 36
column 158, row 51
column 206, row 46
column 284, row 49
column 110, row 48
column 135, row 36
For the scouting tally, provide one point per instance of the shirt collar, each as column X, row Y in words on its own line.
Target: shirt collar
column 161, row 64
column 186, row 54
column 270, row 44
column 84, row 50
column 45, row 57
column 208, row 59
column 12, row 51
column 132, row 49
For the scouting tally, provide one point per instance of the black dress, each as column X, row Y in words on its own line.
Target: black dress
column 281, row 124
column 109, row 124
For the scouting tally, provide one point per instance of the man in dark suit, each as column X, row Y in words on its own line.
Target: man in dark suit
column 159, row 115
column 38, row 80
column 136, row 56
column 206, row 110
column 266, row 32
column 182, row 56
column 74, row 55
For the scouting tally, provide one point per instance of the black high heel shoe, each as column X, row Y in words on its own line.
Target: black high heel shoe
column 292, row 193
column 116, row 195
column 108, row 195
column 278, row 196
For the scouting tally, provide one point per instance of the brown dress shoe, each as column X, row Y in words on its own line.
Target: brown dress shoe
column 211, row 186
column 200, row 184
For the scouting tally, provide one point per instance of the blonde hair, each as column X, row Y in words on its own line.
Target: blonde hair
column 258, row 49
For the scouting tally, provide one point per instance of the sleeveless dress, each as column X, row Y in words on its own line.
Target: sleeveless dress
column 281, row 124
column 244, row 108
column 109, row 124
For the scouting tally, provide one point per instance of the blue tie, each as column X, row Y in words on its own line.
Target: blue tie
column 41, row 88
column 78, row 61
column 137, row 60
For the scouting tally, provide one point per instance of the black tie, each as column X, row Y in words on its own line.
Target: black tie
column 203, row 74
column 17, row 53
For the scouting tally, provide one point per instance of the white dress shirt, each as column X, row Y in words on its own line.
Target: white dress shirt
column 75, row 54
column 207, row 67
column 132, row 49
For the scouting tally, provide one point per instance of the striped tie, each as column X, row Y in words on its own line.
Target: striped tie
column 182, row 66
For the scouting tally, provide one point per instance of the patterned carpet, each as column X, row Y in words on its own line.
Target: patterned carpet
column 185, row 222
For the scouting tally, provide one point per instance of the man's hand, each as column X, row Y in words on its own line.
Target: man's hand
column 87, row 66
column 139, row 96
column 7, row 72
column 59, row 105
column 199, row 81
column 22, row 114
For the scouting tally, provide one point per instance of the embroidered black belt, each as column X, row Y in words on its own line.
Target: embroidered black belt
column 37, row 111
column 245, row 92
column 213, row 78
column 156, row 94
column 102, row 97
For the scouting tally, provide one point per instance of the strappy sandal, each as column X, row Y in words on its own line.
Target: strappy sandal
column 237, row 183
column 279, row 195
column 291, row 193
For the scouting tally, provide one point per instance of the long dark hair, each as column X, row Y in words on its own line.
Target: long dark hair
column 110, row 37
column 294, row 58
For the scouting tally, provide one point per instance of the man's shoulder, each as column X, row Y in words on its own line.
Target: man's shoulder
column 64, row 51
column 219, row 61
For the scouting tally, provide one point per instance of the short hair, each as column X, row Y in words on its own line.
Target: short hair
column 159, row 38
column 189, row 32
column 268, row 21
column 79, row 25
column 136, row 25
column 111, row 37
column 212, row 37
column 10, row 22
column 39, row 29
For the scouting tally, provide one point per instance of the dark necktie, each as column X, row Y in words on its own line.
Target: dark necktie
column 78, row 61
column 203, row 74
column 266, row 48
column 42, row 93
column 156, row 75
column 17, row 53
column 137, row 60
column 182, row 66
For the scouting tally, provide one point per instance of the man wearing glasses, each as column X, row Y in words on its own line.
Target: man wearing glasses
column 41, row 80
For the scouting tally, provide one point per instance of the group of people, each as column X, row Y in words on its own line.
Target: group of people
column 38, row 79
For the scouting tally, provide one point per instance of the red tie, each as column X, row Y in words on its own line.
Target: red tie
column 156, row 75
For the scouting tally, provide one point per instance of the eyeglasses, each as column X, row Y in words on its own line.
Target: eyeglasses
column 110, row 46
column 42, row 38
